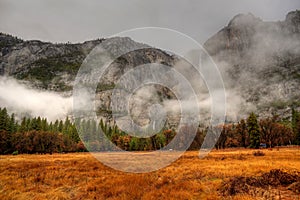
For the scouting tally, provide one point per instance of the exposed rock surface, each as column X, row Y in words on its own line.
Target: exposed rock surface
column 260, row 60
column 54, row 66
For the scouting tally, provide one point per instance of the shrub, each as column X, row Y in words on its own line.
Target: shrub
column 258, row 153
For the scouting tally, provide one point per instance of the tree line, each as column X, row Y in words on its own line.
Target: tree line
column 266, row 132
column 37, row 135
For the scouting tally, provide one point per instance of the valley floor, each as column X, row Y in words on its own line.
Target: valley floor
column 220, row 175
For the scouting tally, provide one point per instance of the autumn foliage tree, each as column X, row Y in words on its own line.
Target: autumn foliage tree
column 269, row 131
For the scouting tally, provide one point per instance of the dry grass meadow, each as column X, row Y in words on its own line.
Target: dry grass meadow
column 81, row 176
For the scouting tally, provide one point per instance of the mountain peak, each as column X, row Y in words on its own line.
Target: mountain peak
column 293, row 16
column 244, row 19
column 7, row 40
column 260, row 59
column 293, row 21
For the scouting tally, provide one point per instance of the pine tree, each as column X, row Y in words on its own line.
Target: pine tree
column 22, row 127
column 4, row 119
column 73, row 133
column 60, row 126
column 133, row 144
column 160, row 140
column 36, row 124
column 11, row 123
column 44, row 124
column 101, row 124
column 66, row 126
column 296, row 125
column 298, row 133
column 93, row 130
column 253, row 130
column 39, row 123
column 55, row 126
column 28, row 124
column 50, row 127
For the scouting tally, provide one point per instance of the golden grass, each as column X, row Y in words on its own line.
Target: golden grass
column 81, row 176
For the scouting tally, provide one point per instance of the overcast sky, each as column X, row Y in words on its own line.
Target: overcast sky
column 80, row 20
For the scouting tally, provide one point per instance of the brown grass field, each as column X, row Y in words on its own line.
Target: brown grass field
column 81, row 176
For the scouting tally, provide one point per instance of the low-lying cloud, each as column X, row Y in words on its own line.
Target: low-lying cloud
column 21, row 99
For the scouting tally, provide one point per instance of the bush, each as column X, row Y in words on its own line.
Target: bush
column 258, row 153
column 15, row 153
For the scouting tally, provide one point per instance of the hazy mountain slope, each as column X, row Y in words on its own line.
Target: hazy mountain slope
column 47, row 65
column 54, row 66
column 260, row 60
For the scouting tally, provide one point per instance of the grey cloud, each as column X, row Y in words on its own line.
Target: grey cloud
column 78, row 20
column 20, row 99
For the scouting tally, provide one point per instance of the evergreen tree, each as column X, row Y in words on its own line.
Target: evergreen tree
column 39, row 123
column 298, row 133
column 12, row 124
column 44, row 124
column 253, row 130
column 23, row 126
column 93, row 130
column 73, row 133
column 36, row 124
column 4, row 119
column 296, row 125
column 55, row 126
column 28, row 124
column 60, row 126
column 101, row 125
column 50, row 127
column 110, row 134
column 133, row 144
column 66, row 126
column 160, row 141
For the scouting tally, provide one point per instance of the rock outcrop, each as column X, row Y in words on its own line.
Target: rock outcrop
column 260, row 60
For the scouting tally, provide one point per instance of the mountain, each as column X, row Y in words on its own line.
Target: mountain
column 46, row 65
column 53, row 67
column 259, row 62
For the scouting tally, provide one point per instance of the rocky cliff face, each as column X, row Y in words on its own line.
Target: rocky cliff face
column 54, row 66
column 260, row 60
column 46, row 65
